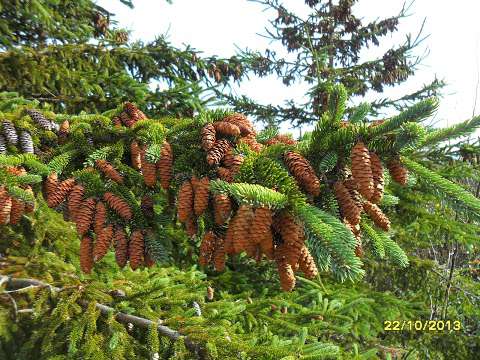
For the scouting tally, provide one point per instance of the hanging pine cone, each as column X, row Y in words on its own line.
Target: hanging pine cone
column 149, row 172
column 208, row 136
column 261, row 233
column 226, row 128
column 86, row 255
column 121, row 246
column 201, row 196
column 282, row 139
column 348, row 207
column 39, row 119
column 131, row 114
column 376, row 214
column 191, row 226
column 64, row 128
column 362, row 169
column 164, row 165
column 50, row 184
column 378, row 180
column 84, row 216
column 185, row 201
column 5, row 208
column 26, row 142
column 147, row 206
column 222, row 208
column 109, row 171
column 99, row 218
column 16, row 211
column 136, row 248
column 119, row 205
column 207, row 248
column 251, row 141
column 218, row 151
column 3, row 145
column 303, row 172
column 307, row 264
column 60, row 193
column 10, row 132
column 285, row 271
column 232, row 162
column 103, row 243
column 136, row 155
column 245, row 126
column 75, row 199
column 241, row 228
column 292, row 235
column 398, row 172
column 219, row 255
column 225, row 174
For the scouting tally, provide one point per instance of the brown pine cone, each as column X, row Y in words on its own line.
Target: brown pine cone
column 261, row 233
column 225, row 174
column 251, row 141
column 136, row 155
column 86, row 255
column 398, row 172
column 149, row 172
column 131, row 114
column 376, row 214
column 29, row 206
column 222, row 208
column 185, row 201
column 241, row 231
column 191, row 226
column 201, row 196
column 119, row 205
column 218, row 151
column 60, row 193
column 207, row 248
column 5, row 207
column 285, row 271
column 292, row 235
column 109, row 171
column 208, row 137
column 121, row 246
column 378, row 179
column 348, row 207
column 147, row 206
column 84, row 216
column 50, row 184
column 164, row 165
column 283, row 139
column 103, row 243
column 99, row 218
column 232, row 162
column 16, row 211
column 362, row 169
column 303, row 172
column 245, row 126
column 307, row 264
column 226, row 128
column 75, row 199
column 219, row 256
column 64, row 128
column 136, row 248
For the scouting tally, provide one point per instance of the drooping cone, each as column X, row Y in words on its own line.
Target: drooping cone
column 9, row 132
column 86, row 255
column 219, row 255
column 149, row 172
column 245, row 126
column 136, row 248
column 208, row 137
column 75, row 199
column 164, row 165
column 191, row 226
column 218, row 151
column 5, row 208
column 60, row 193
column 222, row 208
column 201, row 196
column 283, row 139
column 303, row 172
column 185, row 201
column 292, row 235
column 251, row 141
column 131, row 114
column 84, row 216
column 225, row 174
column 121, row 246
column 226, row 128
column 99, row 218
column 378, row 179
column 307, row 264
column 103, row 242
column 232, row 162
column 376, row 214
column 261, row 233
column 50, row 184
column 29, row 206
column 120, row 206
column 136, row 155
column 285, row 271
column 347, row 206
column 362, row 169
column 109, row 171
column 207, row 248
column 39, row 119
column 16, row 211
column 147, row 206
column 26, row 142
column 398, row 172
column 241, row 231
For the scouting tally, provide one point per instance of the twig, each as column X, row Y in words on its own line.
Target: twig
column 21, row 284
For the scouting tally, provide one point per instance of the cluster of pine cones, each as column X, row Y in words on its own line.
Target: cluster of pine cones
column 11, row 208
column 363, row 190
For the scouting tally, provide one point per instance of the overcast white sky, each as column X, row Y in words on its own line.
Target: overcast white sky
column 216, row 26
